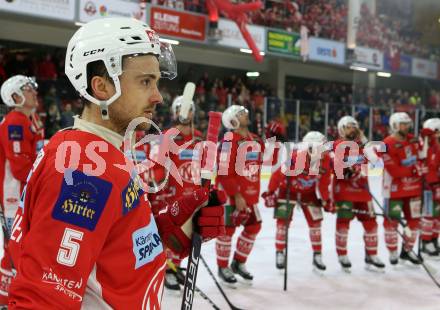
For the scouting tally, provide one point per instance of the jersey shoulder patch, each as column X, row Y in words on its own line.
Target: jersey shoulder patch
column 81, row 204
column 15, row 132
column 131, row 195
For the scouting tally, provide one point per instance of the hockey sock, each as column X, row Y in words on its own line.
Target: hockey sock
column 280, row 238
column 341, row 236
column 391, row 238
column 370, row 236
column 427, row 228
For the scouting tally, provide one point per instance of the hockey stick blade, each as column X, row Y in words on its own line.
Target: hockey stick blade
column 219, row 286
column 187, row 101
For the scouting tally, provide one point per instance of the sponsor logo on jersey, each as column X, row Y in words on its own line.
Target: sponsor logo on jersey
column 303, row 183
column 82, row 203
column 147, row 244
column 409, row 161
column 131, row 195
column 63, row 285
column 352, row 160
column 252, row 155
column 189, row 154
column 40, row 145
column 140, row 155
column 15, row 132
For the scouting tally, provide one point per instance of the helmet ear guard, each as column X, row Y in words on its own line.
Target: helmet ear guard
column 229, row 116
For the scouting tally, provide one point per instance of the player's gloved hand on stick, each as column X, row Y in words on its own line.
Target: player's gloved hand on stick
column 209, row 221
column 240, row 217
column 270, row 199
column 329, row 206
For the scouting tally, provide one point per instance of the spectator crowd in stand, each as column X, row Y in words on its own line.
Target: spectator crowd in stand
column 328, row 19
column 58, row 104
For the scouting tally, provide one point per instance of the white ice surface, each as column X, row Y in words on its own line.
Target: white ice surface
column 399, row 288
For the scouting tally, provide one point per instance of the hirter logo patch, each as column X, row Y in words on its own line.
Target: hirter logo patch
column 15, row 132
column 81, row 204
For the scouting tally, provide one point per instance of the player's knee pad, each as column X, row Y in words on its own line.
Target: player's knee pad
column 342, row 223
column 253, row 229
column 413, row 224
column 230, row 230
column 370, row 225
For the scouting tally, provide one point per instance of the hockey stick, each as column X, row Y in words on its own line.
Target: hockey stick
column 6, row 233
column 219, row 286
column 179, row 272
column 196, row 242
column 429, row 270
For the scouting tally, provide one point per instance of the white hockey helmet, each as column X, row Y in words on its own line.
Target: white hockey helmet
column 314, row 137
column 108, row 40
column 399, row 118
column 230, row 115
column 344, row 122
column 15, row 85
column 432, row 123
column 177, row 103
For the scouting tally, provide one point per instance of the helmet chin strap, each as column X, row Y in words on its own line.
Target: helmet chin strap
column 104, row 111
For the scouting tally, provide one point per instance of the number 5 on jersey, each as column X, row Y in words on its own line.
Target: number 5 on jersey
column 69, row 248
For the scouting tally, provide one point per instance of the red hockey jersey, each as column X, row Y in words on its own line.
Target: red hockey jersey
column 187, row 161
column 354, row 184
column 21, row 138
column 312, row 185
column 238, row 170
column 400, row 175
column 84, row 235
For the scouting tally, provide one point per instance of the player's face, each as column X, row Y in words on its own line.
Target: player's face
column 139, row 92
column 404, row 128
column 351, row 131
column 30, row 96
column 243, row 118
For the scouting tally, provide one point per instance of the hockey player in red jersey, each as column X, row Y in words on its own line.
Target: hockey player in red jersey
column 430, row 136
column 402, row 187
column 84, row 235
column 309, row 189
column 187, row 162
column 239, row 169
column 351, row 194
column 21, row 137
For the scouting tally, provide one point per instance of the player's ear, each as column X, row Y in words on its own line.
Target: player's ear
column 17, row 99
column 102, row 88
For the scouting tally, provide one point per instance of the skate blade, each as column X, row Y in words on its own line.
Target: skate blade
column 346, row 270
column 431, row 257
column 227, row 284
column 173, row 292
column 245, row 281
column 318, row 271
column 374, row 269
column 407, row 264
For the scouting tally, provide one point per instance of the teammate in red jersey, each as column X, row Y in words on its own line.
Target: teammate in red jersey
column 239, row 168
column 309, row 189
column 21, row 138
column 430, row 136
column 186, row 160
column 84, row 235
column 402, row 187
column 351, row 194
